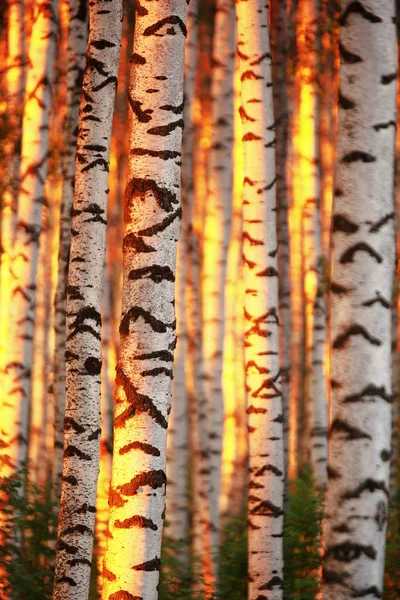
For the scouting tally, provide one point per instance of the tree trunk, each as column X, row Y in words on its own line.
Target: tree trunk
column 363, row 265
column 216, row 239
column 33, row 168
column 263, row 377
column 83, row 320
column 77, row 39
column 144, row 370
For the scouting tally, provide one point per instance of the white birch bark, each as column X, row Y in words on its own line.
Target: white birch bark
column 33, row 169
column 263, row 376
column 363, row 266
column 83, row 320
column 76, row 49
column 216, row 238
column 394, row 458
column 144, row 371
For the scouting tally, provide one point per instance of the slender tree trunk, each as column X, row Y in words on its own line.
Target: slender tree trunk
column 216, row 238
column 279, row 45
column 83, row 320
column 363, row 265
column 77, row 39
column 394, row 458
column 263, row 376
column 33, row 168
column 144, row 371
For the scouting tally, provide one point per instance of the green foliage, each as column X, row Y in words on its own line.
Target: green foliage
column 27, row 549
column 232, row 561
column 179, row 572
column 302, row 539
column 392, row 564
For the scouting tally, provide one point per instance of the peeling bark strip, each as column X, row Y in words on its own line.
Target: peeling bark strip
column 77, row 39
column 363, row 253
column 83, row 320
column 265, row 510
column 143, row 385
column 33, row 169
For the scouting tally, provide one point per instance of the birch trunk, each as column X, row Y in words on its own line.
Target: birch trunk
column 363, row 265
column 216, row 239
column 33, row 169
column 83, row 320
column 263, row 376
column 279, row 44
column 144, row 370
column 76, row 48
column 394, row 458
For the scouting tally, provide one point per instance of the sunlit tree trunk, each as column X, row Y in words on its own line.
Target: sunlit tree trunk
column 77, row 39
column 33, row 169
column 83, row 319
column 144, row 370
column 263, row 376
column 216, row 238
column 363, row 266
column 279, row 44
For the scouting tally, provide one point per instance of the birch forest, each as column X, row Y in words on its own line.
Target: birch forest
column 199, row 300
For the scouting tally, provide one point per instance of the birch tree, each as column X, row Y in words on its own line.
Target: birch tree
column 76, row 49
column 363, row 263
column 263, row 376
column 216, row 237
column 33, row 169
column 143, row 383
column 83, row 320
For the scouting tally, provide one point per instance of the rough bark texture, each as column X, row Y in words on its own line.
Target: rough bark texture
column 144, row 371
column 363, row 263
column 33, row 169
column 263, row 376
column 279, row 44
column 216, row 238
column 83, row 320
column 76, row 49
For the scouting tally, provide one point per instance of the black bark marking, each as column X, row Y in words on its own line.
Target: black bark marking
column 386, row 79
column 252, row 241
column 79, row 561
column 369, row 485
column 137, row 59
column 93, row 365
column 386, row 125
column 99, row 162
column 154, row 272
column 137, row 311
column 349, row 551
column 266, row 509
column 139, row 403
column 102, row 44
column 269, row 186
column 150, row 565
column 272, row 583
column 65, row 579
column 378, row 299
column 61, row 545
column 143, row 116
column 70, row 479
column 77, row 529
column 250, row 75
column 348, row 255
column 268, row 468
column 115, row 498
column 268, row 272
column 370, row 392
column 172, row 20
column 79, row 326
column 385, row 455
column 165, row 130
column 342, row 223
column 85, row 508
column 177, row 110
column 332, row 473
column 358, row 9
column 94, row 435
column 71, row 451
column 133, row 242
column 157, row 371
column 70, row 423
column 146, row 448
column 262, row 57
column 123, row 595
column 105, row 83
column 95, row 65
column 250, row 137
column 377, row 226
column 108, row 574
column 154, row 479
column 136, row 521
column 345, row 103
column 347, row 56
column 163, row 154
column 356, row 155
column 336, row 288
column 163, row 355
column 137, row 187
column 244, row 116
column 349, row 431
